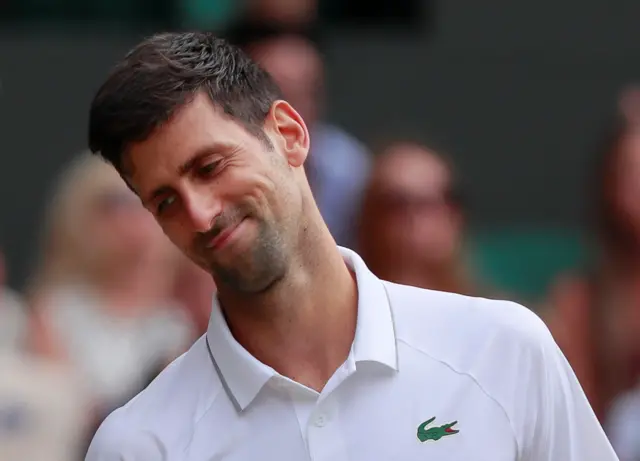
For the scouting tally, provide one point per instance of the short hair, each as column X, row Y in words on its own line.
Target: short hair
column 165, row 72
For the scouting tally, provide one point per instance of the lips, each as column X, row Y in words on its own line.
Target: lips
column 219, row 240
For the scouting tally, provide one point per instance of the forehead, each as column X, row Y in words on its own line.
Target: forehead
column 197, row 127
column 413, row 169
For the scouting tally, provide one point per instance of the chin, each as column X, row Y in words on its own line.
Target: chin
column 240, row 280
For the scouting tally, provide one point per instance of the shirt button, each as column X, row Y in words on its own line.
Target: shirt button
column 321, row 421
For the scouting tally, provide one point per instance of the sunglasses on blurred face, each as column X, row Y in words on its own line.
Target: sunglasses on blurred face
column 394, row 202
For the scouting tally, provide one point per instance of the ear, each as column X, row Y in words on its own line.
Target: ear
column 289, row 131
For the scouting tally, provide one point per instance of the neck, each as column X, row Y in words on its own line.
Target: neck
column 304, row 326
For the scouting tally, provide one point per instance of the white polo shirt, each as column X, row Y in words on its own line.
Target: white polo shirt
column 430, row 376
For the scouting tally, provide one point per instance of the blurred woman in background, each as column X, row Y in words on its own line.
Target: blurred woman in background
column 596, row 320
column 14, row 319
column 411, row 224
column 43, row 412
column 103, row 291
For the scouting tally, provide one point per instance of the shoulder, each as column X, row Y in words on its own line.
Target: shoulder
column 475, row 336
column 161, row 417
column 417, row 311
column 117, row 441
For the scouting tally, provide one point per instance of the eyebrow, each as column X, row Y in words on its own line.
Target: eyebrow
column 189, row 165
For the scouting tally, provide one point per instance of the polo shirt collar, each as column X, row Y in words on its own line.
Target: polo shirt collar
column 375, row 339
column 243, row 376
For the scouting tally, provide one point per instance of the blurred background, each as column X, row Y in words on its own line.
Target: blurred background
column 485, row 148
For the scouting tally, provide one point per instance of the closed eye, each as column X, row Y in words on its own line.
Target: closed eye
column 208, row 169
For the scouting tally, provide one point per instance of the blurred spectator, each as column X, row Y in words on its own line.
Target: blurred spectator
column 623, row 426
column 596, row 319
column 411, row 226
column 296, row 13
column 338, row 165
column 13, row 317
column 575, row 331
column 104, row 286
column 43, row 411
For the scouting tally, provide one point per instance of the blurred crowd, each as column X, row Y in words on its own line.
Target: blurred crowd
column 111, row 302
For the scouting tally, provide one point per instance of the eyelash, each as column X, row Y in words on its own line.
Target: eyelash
column 163, row 204
column 205, row 170
column 209, row 168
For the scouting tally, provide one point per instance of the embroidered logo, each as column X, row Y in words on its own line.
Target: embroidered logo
column 435, row 433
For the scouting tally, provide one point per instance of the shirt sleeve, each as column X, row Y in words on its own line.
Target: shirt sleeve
column 114, row 442
column 561, row 423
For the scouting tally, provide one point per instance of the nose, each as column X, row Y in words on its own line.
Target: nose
column 202, row 207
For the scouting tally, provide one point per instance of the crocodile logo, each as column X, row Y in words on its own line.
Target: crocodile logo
column 435, row 433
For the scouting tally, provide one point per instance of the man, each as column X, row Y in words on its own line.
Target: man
column 338, row 165
column 308, row 355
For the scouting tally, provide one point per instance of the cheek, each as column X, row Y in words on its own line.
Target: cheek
column 262, row 192
column 178, row 234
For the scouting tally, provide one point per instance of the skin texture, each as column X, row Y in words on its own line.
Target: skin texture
column 241, row 208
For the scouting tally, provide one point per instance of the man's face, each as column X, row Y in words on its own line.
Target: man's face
column 223, row 196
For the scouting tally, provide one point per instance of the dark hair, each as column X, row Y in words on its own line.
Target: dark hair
column 165, row 72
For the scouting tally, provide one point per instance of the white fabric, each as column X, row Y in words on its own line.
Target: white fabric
column 43, row 412
column 623, row 425
column 13, row 321
column 490, row 367
column 116, row 355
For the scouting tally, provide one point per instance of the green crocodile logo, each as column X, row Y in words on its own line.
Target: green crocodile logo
column 435, row 433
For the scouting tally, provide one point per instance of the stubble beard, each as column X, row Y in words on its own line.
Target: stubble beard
column 257, row 269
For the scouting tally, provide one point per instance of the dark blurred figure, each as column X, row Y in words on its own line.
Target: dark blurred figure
column 290, row 13
column 43, row 409
column 43, row 412
column 103, row 290
column 596, row 319
column 338, row 165
column 13, row 316
column 411, row 227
